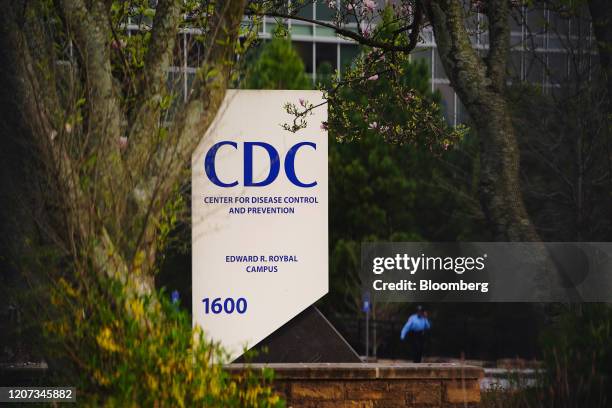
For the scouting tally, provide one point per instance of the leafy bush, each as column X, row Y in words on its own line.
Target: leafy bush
column 578, row 357
column 277, row 66
column 577, row 362
column 140, row 350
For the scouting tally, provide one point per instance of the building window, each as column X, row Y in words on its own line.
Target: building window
column 306, row 11
column 324, row 13
column 305, row 50
column 326, row 58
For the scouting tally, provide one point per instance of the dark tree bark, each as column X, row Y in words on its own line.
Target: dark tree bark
column 480, row 85
column 601, row 15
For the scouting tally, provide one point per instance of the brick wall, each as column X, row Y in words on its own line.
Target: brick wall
column 328, row 385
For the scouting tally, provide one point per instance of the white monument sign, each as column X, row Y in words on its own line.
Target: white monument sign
column 259, row 209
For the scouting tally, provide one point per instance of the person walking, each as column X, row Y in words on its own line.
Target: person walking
column 416, row 327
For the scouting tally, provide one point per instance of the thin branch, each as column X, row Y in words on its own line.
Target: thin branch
column 360, row 38
column 417, row 23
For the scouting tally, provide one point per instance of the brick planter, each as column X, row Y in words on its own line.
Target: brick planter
column 373, row 385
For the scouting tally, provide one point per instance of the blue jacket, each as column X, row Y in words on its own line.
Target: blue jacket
column 415, row 323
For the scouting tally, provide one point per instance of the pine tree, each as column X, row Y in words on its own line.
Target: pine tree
column 277, row 66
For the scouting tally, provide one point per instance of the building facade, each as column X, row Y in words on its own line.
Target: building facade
column 549, row 48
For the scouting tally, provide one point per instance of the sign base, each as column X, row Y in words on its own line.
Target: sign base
column 307, row 338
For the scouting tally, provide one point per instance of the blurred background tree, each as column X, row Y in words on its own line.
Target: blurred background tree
column 276, row 65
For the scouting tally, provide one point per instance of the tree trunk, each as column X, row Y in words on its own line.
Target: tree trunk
column 500, row 189
column 480, row 86
column 108, row 170
column 601, row 15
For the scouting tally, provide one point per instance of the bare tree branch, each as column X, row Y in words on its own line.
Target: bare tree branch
column 360, row 38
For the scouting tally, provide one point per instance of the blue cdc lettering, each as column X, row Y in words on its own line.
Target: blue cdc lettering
column 211, row 172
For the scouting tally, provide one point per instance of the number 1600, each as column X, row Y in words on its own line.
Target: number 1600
column 227, row 305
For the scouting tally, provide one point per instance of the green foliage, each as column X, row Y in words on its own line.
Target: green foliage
column 277, row 66
column 390, row 154
column 128, row 350
column 385, row 94
column 577, row 363
column 325, row 75
column 385, row 192
column 389, row 166
column 578, row 357
column 129, row 48
column 380, row 190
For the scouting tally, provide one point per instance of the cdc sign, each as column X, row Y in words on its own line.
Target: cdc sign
column 259, row 214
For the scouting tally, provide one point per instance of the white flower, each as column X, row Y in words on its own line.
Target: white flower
column 407, row 9
column 373, row 125
column 369, row 5
column 123, row 142
column 373, row 77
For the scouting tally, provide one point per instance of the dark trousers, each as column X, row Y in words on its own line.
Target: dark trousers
column 417, row 344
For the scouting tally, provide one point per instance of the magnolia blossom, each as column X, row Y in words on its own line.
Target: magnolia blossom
column 331, row 4
column 324, row 126
column 373, row 77
column 373, row 125
column 349, row 7
column 123, row 142
column 407, row 9
column 68, row 127
column 302, row 102
column 117, row 44
column 370, row 5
